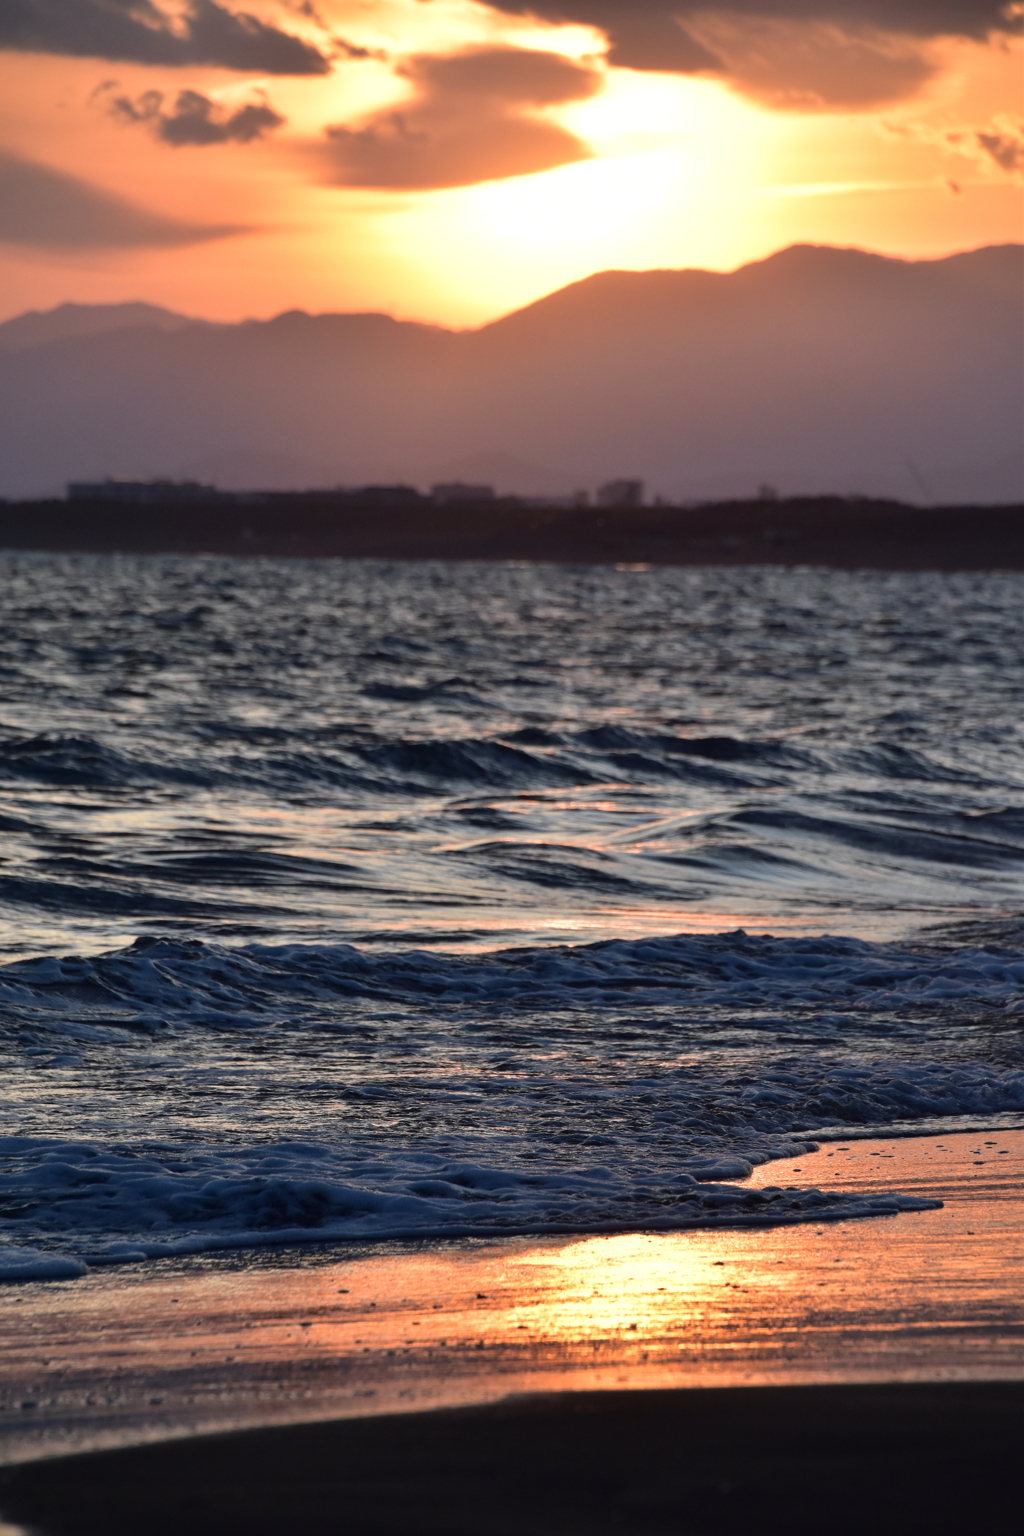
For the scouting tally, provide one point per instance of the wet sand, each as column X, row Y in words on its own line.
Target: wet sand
column 171, row 1349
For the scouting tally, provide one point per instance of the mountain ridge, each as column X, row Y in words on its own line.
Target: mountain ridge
column 35, row 327
column 71, row 320
column 853, row 372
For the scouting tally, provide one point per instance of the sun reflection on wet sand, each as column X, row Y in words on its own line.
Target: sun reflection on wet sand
column 129, row 1355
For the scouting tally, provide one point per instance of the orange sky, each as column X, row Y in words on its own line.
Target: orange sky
column 449, row 161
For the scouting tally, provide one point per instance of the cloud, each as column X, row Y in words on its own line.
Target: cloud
column 998, row 142
column 43, row 207
column 469, row 121
column 813, row 65
column 622, row 20
column 1007, row 150
column 141, row 32
column 790, row 53
column 196, row 119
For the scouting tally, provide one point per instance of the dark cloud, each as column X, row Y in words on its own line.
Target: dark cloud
column 1006, row 151
column 43, row 207
column 195, row 119
column 468, row 122
column 141, row 32
column 624, row 20
column 795, row 53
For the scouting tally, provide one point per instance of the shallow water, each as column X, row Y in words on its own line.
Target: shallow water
column 340, row 896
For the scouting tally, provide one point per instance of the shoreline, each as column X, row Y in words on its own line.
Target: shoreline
column 222, row 1342
column 829, row 531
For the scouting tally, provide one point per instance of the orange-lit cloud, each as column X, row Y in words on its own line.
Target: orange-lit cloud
column 471, row 120
column 995, row 144
column 814, row 65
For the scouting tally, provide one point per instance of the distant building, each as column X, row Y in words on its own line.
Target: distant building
column 456, row 490
column 767, row 492
column 575, row 499
column 621, row 493
column 140, row 492
column 385, row 495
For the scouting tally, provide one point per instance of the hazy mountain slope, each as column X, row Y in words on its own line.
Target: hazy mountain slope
column 830, row 361
column 837, row 366
column 260, row 470
column 36, row 328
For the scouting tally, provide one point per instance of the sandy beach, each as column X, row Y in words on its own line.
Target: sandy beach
column 769, row 1360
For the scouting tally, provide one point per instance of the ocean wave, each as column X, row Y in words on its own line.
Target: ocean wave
column 890, row 760
column 102, row 896
column 732, row 970
column 85, row 762
column 370, row 759
column 853, row 806
column 468, row 762
column 546, row 864
column 716, row 749
column 953, row 845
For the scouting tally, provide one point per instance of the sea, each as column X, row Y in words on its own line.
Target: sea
column 363, row 901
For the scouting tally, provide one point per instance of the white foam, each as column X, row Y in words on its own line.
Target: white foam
column 30, row 1264
column 111, row 1206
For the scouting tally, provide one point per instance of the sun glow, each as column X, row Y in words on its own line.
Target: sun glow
column 661, row 147
column 685, row 172
column 595, row 205
column 672, row 183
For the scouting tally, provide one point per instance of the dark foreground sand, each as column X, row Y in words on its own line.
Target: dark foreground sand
column 903, row 1458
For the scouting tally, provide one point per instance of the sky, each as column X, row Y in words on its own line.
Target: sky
column 452, row 160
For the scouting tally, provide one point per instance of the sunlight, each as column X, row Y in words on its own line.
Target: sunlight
column 572, row 208
column 675, row 180
column 675, row 107
column 663, row 147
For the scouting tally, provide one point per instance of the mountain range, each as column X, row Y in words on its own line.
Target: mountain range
column 817, row 369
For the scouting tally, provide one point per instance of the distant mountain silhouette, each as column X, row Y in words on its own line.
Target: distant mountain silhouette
column 260, row 470
column 38, row 328
column 817, row 369
column 511, row 475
